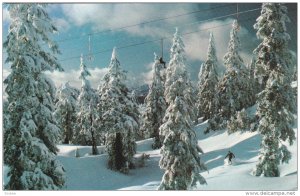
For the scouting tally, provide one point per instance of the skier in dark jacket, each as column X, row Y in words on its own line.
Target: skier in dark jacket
column 230, row 155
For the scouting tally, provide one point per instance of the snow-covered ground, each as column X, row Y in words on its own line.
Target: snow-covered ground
column 90, row 172
column 238, row 176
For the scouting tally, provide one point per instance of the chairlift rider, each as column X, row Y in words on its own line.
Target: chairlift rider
column 161, row 61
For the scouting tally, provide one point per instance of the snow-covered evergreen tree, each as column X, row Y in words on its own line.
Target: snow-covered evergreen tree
column 30, row 139
column 155, row 106
column 177, row 53
column 87, row 132
column 65, row 112
column 191, row 99
column 119, row 117
column 240, row 121
column 6, row 122
column 294, row 61
column 208, row 80
column 276, row 102
column 273, row 18
column 234, row 89
column 254, row 80
column 180, row 152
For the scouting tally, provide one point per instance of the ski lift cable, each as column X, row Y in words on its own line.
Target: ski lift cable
column 237, row 16
column 224, row 16
column 196, row 22
column 146, row 22
column 143, row 23
column 126, row 27
column 146, row 42
column 237, row 12
column 136, row 44
column 186, row 34
column 154, row 40
column 132, row 25
column 246, row 11
column 103, row 51
column 167, row 37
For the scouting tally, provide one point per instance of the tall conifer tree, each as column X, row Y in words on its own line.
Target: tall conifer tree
column 276, row 102
column 87, row 132
column 207, row 103
column 65, row 111
column 119, row 117
column 31, row 137
column 155, row 105
column 180, row 151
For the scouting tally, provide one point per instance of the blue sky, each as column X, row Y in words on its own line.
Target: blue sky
column 76, row 21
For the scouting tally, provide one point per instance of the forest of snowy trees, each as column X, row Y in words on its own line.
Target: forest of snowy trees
column 37, row 116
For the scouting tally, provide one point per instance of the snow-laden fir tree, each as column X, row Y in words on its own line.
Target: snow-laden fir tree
column 294, row 60
column 234, row 90
column 208, row 80
column 180, row 153
column 276, row 102
column 254, row 81
column 30, row 139
column 155, row 105
column 6, row 123
column 242, row 121
column 191, row 99
column 178, row 56
column 239, row 122
column 65, row 112
column 273, row 18
column 86, row 131
column 119, row 117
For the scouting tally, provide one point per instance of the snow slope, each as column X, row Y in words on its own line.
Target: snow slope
column 90, row 172
column 238, row 176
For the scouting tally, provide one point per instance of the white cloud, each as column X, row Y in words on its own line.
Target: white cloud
column 197, row 43
column 111, row 16
column 146, row 77
column 61, row 24
column 81, row 14
column 136, row 80
column 72, row 77
column 97, row 76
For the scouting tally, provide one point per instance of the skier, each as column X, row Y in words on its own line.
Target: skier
column 230, row 155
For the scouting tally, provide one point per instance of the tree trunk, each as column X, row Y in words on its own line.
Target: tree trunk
column 94, row 145
column 119, row 158
column 67, row 129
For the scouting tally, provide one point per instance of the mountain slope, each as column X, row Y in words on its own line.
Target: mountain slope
column 91, row 173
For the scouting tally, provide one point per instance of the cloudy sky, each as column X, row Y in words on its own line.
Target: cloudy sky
column 136, row 29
